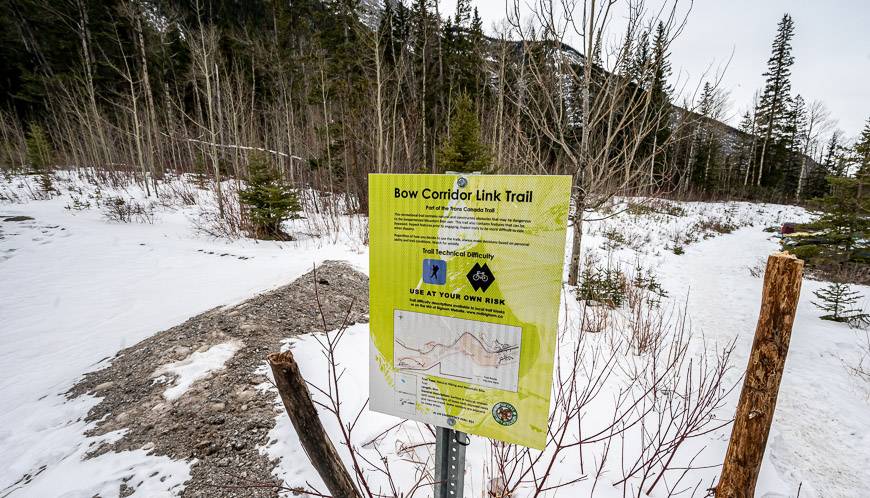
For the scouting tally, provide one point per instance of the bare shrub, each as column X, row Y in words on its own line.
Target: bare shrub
column 118, row 209
column 661, row 400
column 208, row 220
column 848, row 272
column 683, row 405
column 757, row 270
column 707, row 227
column 647, row 327
column 861, row 370
column 619, row 420
column 7, row 194
column 595, row 318
column 178, row 193
column 654, row 205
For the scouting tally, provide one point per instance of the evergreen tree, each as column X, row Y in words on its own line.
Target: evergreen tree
column 773, row 106
column 639, row 64
column 791, row 143
column 705, row 161
column 845, row 214
column 464, row 150
column 745, row 149
column 861, row 151
column 835, row 160
column 463, row 37
column 390, row 44
column 817, row 178
column 38, row 149
column 270, row 202
column 660, row 98
column 836, row 300
column 425, row 47
column 39, row 156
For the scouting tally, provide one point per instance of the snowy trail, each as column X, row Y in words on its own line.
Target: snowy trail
column 821, row 430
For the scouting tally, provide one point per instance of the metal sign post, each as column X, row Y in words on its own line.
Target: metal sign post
column 450, row 462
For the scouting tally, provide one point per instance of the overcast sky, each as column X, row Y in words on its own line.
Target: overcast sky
column 831, row 47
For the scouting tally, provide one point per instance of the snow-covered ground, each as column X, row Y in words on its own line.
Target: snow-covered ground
column 75, row 289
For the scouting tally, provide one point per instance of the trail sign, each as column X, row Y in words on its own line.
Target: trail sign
column 466, row 273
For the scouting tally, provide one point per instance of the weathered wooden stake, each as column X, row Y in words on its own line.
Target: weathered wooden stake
column 297, row 401
column 779, row 300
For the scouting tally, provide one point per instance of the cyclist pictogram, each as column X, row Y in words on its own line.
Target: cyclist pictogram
column 480, row 277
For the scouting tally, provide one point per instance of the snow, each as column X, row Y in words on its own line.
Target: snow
column 75, row 289
column 196, row 366
column 819, row 440
column 55, row 442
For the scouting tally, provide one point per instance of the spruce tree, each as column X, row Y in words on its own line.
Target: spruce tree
column 38, row 148
column 861, row 151
column 660, row 99
column 39, row 156
column 817, row 179
column 837, row 301
column 270, row 201
column 745, row 149
column 639, row 66
column 705, row 161
column 463, row 37
column 390, row 45
column 464, row 150
column 791, row 142
column 772, row 108
column 845, row 214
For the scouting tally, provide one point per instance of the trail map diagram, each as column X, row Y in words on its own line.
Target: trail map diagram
column 481, row 353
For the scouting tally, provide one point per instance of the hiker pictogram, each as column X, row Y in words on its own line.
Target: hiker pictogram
column 434, row 271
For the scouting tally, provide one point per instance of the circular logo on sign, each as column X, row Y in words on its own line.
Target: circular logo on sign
column 504, row 413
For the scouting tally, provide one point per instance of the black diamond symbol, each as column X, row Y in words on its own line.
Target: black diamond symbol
column 480, row 277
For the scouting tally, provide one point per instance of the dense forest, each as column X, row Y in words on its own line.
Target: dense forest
column 332, row 90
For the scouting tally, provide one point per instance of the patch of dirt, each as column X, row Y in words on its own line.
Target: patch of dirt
column 222, row 418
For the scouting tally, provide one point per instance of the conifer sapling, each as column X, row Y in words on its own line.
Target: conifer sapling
column 836, row 300
column 269, row 200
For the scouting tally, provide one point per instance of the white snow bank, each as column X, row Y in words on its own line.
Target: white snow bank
column 195, row 367
column 65, row 472
column 75, row 289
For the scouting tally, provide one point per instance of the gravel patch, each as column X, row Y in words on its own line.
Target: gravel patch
column 222, row 418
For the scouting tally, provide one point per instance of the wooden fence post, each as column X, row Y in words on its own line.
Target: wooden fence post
column 297, row 401
column 779, row 300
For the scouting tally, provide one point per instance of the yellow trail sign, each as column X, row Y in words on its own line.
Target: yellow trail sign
column 466, row 273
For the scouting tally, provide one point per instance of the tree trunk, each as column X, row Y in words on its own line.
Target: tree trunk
column 576, row 238
column 297, row 401
column 779, row 300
